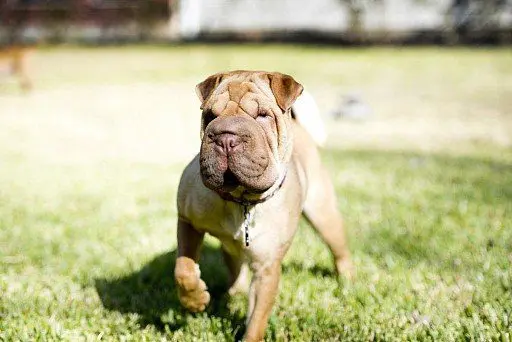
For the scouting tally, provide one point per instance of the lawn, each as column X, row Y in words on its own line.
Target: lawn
column 89, row 165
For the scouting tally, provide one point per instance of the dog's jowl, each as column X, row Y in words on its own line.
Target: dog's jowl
column 257, row 171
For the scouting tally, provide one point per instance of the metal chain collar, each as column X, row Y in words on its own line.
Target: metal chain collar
column 245, row 226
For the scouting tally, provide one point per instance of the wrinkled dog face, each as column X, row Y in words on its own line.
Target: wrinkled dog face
column 246, row 135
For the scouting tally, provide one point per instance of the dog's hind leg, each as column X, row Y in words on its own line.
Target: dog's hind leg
column 239, row 275
column 191, row 288
column 322, row 212
column 239, row 279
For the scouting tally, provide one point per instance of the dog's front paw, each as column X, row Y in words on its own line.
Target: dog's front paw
column 191, row 288
column 196, row 299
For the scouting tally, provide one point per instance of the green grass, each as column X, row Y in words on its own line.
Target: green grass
column 87, row 244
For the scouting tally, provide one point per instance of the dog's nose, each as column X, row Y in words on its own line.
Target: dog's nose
column 227, row 142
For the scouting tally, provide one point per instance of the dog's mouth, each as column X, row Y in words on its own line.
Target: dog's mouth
column 224, row 176
column 230, row 181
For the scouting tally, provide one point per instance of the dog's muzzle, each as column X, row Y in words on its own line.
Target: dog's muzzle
column 234, row 153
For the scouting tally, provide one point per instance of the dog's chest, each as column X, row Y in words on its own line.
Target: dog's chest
column 229, row 222
column 226, row 218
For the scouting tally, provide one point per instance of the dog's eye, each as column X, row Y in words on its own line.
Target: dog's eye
column 207, row 118
column 264, row 114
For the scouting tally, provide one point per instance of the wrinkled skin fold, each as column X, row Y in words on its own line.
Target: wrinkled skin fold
column 246, row 108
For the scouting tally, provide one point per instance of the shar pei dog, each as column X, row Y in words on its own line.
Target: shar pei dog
column 257, row 171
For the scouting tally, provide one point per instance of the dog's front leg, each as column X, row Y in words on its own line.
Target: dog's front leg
column 262, row 294
column 191, row 288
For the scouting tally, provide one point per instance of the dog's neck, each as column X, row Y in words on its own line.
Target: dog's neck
column 246, row 198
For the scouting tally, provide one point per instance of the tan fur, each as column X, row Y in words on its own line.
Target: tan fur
column 15, row 60
column 306, row 189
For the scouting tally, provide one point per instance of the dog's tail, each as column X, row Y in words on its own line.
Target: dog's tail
column 307, row 114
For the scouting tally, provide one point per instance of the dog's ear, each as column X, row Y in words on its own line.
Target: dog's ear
column 205, row 88
column 285, row 89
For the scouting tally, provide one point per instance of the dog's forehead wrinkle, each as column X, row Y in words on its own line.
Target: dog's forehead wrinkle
column 264, row 87
column 250, row 105
column 220, row 103
column 236, row 90
column 230, row 109
column 243, row 92
column 244, row 111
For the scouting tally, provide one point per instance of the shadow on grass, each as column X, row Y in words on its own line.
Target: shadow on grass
column 317, row 271
column 151, row 292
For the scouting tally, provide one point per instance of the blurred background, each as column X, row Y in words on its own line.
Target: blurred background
column 340, row 21
column 426, row 73
column 98, row 117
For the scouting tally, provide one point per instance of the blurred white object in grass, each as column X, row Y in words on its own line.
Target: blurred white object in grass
column 307, row 114
column 352, row 107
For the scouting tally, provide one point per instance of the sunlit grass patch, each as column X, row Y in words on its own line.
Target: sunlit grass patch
column 89, row 166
